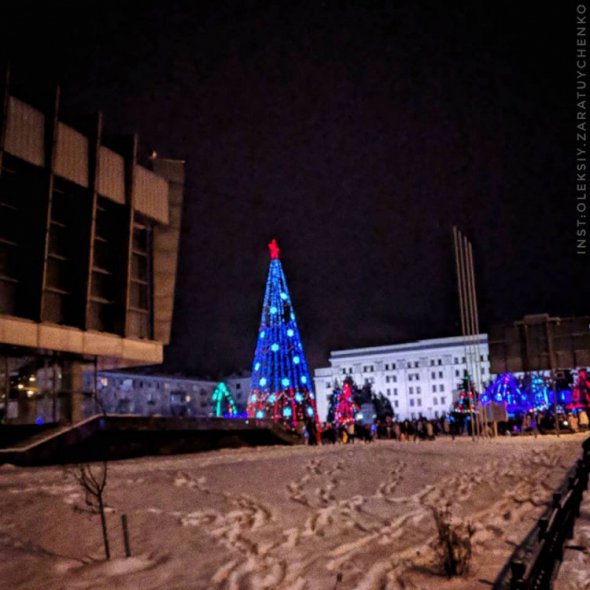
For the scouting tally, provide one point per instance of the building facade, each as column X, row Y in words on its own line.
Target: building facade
column 120, row 392
column 88, row 248
column 419, row 378
column 154, row 394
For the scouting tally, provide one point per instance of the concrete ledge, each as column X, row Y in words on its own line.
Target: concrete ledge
column 47, row 336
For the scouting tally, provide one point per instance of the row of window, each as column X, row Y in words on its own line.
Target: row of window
column 411, row 365
column 418, row 401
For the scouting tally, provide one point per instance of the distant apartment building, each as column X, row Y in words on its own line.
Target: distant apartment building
column 89, row 240
column 120, row 392
column 156, row 394
column 419, row 378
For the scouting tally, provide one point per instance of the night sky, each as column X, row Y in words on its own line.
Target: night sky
column 357, row 134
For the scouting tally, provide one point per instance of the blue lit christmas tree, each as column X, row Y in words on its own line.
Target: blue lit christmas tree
column 506, row 390
column 538, row 393
column 281, row 387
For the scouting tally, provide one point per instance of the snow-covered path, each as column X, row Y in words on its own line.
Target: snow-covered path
column 283, row 518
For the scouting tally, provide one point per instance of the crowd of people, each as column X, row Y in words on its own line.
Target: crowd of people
column 452, row 424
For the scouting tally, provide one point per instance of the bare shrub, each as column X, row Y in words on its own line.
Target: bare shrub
column 453, row 544
column 93, row 480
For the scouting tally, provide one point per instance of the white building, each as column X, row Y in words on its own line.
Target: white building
column 419, row 378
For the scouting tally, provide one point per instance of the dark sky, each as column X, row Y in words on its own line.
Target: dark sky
column 357, row 134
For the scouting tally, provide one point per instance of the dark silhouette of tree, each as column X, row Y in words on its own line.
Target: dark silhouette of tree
column 93, row 480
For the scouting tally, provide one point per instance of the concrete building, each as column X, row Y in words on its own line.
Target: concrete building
column 149, row 393
column 88, row 247
column 134, row 392
column 419, row 378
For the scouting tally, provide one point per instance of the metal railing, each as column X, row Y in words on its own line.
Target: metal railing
column 535, row 563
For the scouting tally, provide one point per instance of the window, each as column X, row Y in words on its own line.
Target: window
column 436, row 413
column 432, row 362
column 238, row 386
column 456, row 361
column 440, row 361
column 456, row 372
column 394, row 366
column 442, row 400
column 387, row 379
column 396, row 403
column 418, row 390
column 344, row 371
column 327, row 386
column 440, row 374
column 394, row 378
column 419, row 401
column 463, row 361
column 442, row 387
column 433, row 388
column 413, row 415
column 386, row 367
column 388, row 391
column 140, row 284
column 435, row 401
column 412, row 402
column 410, row 376
column 411, row 390
column 433, row 375
column 395, row 391
column 416, row 364
column 481, row 357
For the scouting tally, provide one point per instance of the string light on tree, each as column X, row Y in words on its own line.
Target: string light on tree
column 345, row 410
column 280, row 386
column 223, row 402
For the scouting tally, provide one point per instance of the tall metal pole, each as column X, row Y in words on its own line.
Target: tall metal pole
column 470, row 331
column 553, row 368
column 464, row 305
column 475, row 325
column 458, row 265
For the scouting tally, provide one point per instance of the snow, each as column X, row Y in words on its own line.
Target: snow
column 287, row 518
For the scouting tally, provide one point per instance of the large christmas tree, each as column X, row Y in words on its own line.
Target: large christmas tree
column 281, row 387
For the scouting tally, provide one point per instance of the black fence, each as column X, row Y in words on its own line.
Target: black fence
column 535, row 563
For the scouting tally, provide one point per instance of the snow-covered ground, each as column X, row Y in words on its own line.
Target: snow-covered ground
column 283, row 518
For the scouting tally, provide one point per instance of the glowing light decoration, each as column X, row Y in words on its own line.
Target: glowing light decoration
column 537, row 392
column 506, row 390
column 466, row 399
column 345, row 410
column 581, row 391
column 279, row 362
column 223, row 402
